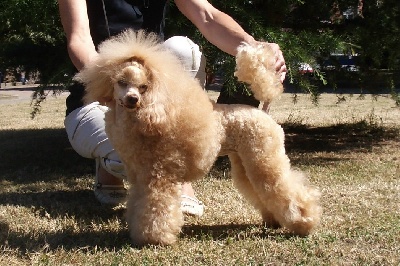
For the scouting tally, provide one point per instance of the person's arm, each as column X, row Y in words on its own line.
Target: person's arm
column 75, row 22
column 221, row 30
column 216, row 26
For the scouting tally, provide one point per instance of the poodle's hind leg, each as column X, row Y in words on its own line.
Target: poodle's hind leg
column 153, row 212
column 245, row 187
column 284, row 192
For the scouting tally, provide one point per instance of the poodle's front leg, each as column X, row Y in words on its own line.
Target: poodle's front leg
column 153, row 211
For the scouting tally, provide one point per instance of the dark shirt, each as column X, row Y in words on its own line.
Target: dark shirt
column 113, row 18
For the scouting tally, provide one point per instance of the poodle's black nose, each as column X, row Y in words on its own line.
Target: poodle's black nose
column 131, row 101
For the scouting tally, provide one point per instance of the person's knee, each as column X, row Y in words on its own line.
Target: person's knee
column 85, row 128
column 190, row 55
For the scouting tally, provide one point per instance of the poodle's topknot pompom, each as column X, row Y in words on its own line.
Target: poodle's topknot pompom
column 255, row 66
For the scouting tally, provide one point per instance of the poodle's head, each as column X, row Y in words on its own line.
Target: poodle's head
column 131, row 84
column 136, row 74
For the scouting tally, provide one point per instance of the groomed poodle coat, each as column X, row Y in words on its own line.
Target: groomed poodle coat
column 167, row 131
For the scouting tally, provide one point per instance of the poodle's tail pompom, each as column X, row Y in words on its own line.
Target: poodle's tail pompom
column 255, row 66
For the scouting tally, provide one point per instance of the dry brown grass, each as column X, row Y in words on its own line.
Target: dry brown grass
column 48, row 215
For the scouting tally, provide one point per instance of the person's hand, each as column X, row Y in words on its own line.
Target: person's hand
column 280, row 65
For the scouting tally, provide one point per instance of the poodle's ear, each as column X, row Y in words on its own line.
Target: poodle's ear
column 98, row 84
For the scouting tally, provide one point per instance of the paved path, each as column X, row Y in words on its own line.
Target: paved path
column 19, row 93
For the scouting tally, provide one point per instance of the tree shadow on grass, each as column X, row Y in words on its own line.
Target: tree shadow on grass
column 340, row 138
column 46, row 173
column 67, row 239
column 45, row 155
column 75, row 203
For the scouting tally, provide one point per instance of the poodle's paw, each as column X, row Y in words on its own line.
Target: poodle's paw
column 159, row 229
column 304, row 213
column 152, row 238
column 269, row 220
column 153, row 215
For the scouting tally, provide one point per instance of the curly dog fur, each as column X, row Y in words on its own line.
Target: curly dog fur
column 167, row 131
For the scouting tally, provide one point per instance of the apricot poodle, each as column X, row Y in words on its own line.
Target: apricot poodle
column 167, row 131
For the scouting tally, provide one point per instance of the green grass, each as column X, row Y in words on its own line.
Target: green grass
column 351, row 151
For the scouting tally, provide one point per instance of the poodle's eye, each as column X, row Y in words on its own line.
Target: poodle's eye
column 122, row 83
column 142, row 88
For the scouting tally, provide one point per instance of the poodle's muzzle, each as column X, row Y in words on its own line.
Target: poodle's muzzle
column 130, row 99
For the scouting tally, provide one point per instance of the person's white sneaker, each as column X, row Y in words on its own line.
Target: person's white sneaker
column 112, row 195
column 192, row 206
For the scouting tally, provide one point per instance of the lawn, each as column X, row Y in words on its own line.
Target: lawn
column 349, row 147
